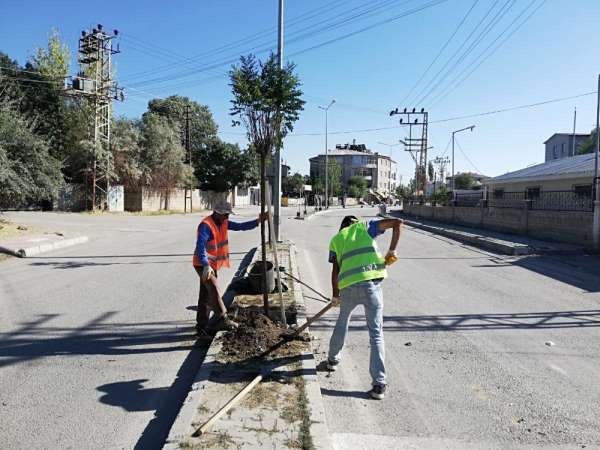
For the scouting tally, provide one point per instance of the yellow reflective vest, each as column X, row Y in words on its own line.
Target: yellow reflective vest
column 357, row 256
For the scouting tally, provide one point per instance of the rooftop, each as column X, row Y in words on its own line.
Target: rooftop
column 579, row 135
column 574, row 166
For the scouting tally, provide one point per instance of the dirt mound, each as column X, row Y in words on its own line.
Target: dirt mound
column 256, row 334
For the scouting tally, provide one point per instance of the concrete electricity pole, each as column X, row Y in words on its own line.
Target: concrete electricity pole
column 188, row 160
column 596, row 225
column 326, row 109
column 453, row 181
column 277, row 158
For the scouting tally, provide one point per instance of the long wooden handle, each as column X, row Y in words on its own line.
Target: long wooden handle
column 312, row 319
column 230, row 404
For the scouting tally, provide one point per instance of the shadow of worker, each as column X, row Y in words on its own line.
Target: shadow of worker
column 132, row 396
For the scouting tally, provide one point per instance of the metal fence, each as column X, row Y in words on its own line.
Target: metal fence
column 506, row 200
column 562, row 201
column 470, row 199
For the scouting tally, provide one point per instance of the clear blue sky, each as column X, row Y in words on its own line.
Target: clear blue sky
column 552, row 55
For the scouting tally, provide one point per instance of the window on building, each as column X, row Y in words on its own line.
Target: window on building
column 583, row 190
column 532, row 192
column 562, row 149
column 498, row 193
column 554, row 152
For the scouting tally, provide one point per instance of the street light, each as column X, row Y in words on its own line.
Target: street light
column 326, row 109
column 453, row 133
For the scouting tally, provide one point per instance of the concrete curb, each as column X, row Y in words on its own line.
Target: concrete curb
column 35, row 250
column 484, row 242
column 182, row 427
column 318, row 427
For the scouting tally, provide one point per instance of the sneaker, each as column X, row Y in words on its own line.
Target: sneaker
column 378, row 391
column 332, row 365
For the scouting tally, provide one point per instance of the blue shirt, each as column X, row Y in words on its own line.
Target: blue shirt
column 372, row 229
column 205, row 235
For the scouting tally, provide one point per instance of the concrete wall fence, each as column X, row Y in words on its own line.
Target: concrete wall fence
column 561, row 226
column 149, row 200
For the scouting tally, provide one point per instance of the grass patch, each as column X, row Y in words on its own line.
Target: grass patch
column 10, row 229
column 297, row 410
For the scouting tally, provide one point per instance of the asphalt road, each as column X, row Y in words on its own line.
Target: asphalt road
column 97, row 341
column 483, row 351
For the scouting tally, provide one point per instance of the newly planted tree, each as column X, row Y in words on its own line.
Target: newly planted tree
column 267, row 102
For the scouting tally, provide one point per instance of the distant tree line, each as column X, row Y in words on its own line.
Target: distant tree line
column 46, row 140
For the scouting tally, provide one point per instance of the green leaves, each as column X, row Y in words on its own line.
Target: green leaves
column 266, row 100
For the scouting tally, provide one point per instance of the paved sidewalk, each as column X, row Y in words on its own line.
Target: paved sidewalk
column 504, row 243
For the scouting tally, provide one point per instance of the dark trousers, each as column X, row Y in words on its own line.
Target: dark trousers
column 204, row 301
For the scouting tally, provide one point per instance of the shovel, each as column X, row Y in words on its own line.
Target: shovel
column 291, row 334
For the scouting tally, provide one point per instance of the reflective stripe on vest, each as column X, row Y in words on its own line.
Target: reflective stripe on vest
column 357, row 256
column 217, row 248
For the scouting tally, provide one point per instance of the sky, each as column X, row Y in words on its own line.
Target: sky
column 454, row 58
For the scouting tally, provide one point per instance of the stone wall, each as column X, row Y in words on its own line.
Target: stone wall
column 562, row 226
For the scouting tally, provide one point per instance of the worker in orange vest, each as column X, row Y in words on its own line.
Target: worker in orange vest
column 212, row 253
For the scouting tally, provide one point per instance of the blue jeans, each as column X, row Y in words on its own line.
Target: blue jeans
column 368, row 294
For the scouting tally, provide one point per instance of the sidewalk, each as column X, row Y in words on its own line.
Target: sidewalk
column 284, row 410
column 25, row 241
column 504, row 243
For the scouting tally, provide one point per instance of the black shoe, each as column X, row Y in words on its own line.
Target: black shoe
column 332, row 365
column 378, row 391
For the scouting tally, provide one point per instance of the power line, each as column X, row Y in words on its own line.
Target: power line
column 466, row 157
column 233, row 59
column 444, row 94
column 504, row 9
column 457, row 51
column 407, row 96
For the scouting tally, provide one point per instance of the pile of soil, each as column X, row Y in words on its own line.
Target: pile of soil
column 256, row 334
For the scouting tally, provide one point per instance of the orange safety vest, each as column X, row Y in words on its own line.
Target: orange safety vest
column 217, row 248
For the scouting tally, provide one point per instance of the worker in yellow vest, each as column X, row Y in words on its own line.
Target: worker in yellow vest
column 356, row 276
column 212, row 253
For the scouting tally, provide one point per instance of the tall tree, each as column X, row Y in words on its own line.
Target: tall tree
column 126, row 152
column 162, row 155
column 293, row 184
column 589, row 145
column 357, row 186
column 29, row 174
column 464, row 181
column 222, row 166
column 267, row 101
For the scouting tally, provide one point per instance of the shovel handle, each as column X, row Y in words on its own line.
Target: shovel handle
column 312, row 319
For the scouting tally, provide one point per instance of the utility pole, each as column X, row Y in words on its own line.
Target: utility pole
column 441, row 162
column 596, row 184
column 453, row 181
column 94, row 82
column 417, row 147
column 326, row 109
column 277, row 158
column 188, row 160
column 574, row 127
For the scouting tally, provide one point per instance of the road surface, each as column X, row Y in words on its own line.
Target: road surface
column 482, row 351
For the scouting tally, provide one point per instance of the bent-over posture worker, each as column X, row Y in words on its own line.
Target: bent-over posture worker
column 212, row 253
column 356, row 276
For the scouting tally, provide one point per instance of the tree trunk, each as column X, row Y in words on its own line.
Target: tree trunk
column 263, row 244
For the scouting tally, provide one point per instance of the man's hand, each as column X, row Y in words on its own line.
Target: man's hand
column 335, row 301
column 263, row 216
column 391, row 257
column 207, row 272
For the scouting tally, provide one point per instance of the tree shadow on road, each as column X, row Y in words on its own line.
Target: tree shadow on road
column 477, row 322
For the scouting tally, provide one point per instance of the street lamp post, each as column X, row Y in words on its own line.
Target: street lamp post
column 453, row 181
column 596, row 184
column 326, row 109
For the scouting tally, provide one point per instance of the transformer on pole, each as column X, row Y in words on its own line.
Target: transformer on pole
column 417, row 146
column 95, row 84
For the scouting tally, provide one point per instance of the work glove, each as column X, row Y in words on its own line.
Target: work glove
column 207, row 272
column 335, row 301
column 391, row 257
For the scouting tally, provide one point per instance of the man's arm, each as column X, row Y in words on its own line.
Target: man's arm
column 204, row 235
column 335, row 271
column 396, row 225
column 245, row 226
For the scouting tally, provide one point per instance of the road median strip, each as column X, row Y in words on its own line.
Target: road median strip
column 284, row 409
